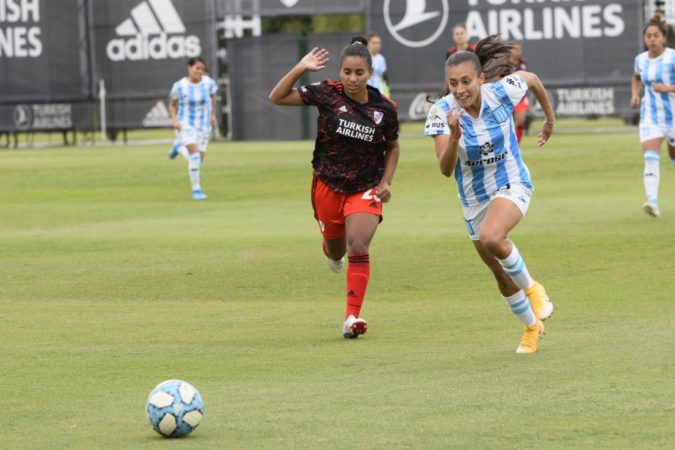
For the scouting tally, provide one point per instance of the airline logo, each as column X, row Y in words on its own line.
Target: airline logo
column 154, row 31
column 158, row 116
column 419, row 25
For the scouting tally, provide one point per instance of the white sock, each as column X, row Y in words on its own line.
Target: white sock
column 515, row 267
column 520, row 306
column 193, row 168
column 184, row 151
column 651, row 175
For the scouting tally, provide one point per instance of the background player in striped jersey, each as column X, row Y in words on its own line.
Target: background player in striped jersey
column 472, row 126
column 378, row 79
column 655, row 70
column 354, row 160
column 192, row 107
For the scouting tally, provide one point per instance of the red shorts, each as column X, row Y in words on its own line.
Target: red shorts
column 524, row 105
column 331, row 208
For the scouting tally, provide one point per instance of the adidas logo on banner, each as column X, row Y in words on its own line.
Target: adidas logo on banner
column 158, row 116
column 154, row 31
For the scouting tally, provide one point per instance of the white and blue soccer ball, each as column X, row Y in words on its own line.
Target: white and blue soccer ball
column 175, row 408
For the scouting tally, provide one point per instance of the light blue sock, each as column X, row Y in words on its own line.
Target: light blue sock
column 520, row 306
column 515, row 267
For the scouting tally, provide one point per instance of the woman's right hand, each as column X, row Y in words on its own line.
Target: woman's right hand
column 453, row 122
column 315, row 60
column 634, row 101
column 176, row 124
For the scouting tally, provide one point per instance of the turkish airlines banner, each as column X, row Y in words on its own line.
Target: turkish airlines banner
column 290, row 7
column 41, row 58
column 141, row 47
column 570, row 44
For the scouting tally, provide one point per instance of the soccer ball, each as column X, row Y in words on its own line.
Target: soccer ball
column 175, row 408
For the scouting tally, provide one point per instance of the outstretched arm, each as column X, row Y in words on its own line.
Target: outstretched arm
column 284, row 93
column 535, row 85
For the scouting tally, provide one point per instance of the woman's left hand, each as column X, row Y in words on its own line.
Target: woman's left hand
column 546, row 132
column 383, row 192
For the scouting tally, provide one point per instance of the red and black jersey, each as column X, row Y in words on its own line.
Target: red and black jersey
column 453, row 50
column 352, row 137
column 522, row 64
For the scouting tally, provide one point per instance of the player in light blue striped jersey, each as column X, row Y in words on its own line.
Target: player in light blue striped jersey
column 655, row 69
column 475, row 139
column 192, row 107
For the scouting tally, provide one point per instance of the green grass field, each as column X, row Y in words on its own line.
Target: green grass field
column 112, row 280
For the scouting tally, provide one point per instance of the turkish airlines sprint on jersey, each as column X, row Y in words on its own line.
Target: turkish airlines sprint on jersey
column 154, row 31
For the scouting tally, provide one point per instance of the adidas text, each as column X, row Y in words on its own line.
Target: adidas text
column 157, row 47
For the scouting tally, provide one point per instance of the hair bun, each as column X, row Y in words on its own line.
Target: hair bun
column 359, row 40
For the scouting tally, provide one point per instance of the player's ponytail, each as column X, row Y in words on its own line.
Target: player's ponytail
column 490, row 58
column 357, row 47
column 493, row 54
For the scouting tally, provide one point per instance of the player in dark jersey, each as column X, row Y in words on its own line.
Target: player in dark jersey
column 461, row 38
column 517, row 61
column 355, row 157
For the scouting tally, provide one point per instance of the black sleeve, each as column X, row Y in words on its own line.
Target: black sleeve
column 313, row 94
column 391, row 125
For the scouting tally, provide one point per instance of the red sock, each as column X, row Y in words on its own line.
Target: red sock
column 519, row 132
column 358, row 274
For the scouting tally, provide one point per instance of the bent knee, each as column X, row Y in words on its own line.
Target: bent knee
column 492, row 239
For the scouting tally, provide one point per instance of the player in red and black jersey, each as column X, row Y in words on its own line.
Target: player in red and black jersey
column 355, row 157
column 520, row 111
column 461, row 38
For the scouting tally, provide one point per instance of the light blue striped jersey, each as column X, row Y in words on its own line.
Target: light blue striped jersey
column 194, row 102
column 379, row 68
column 489, row 156
column 657, row 108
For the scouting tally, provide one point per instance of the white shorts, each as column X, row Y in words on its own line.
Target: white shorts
column 189, row 136
column 650, row 131
column 474, row 215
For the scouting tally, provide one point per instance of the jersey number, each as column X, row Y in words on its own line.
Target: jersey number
column 370, row 195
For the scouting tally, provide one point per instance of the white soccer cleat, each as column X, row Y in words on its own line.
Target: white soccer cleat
column 335, row 265
column 354, row 327
column 546, row 311
column 652, row 209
